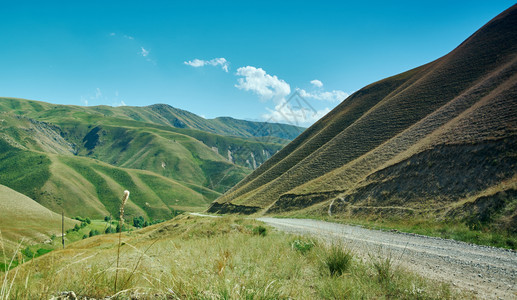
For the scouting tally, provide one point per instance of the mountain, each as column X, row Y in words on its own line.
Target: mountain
column 438, row 141
column 80, row 158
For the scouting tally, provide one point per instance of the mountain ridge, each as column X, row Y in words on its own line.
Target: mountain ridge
column 85, row 155
column 465, row 97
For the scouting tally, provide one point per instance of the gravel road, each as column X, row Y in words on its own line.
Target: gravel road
column 491, row 273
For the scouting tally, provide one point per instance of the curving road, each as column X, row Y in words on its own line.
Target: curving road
column 488, row 272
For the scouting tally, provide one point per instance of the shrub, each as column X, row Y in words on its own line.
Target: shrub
column 337, row 260
column 302, row 246
column 76, row 227
column 88, row 221
column 139, row 222
column 94, row 232
column 259, row 230
column 109, row 230
column 28, row 252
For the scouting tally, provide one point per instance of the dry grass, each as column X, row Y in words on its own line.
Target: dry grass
column 442, row 115
column 210, row 258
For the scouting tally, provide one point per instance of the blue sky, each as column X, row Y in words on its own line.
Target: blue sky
column 223, row 58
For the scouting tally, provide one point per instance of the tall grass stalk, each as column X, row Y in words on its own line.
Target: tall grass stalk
column 5, row 289
column 124, row 200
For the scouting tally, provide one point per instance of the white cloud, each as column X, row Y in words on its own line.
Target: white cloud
column 334, row 96
column 261, row 83
column 129, row 37
column 220, row 61
column 317, row 83
column 112, row 33
column 144, row 52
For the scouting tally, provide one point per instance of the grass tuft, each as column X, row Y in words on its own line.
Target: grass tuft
column 337, row 259
column 260, row 230
column 212, row 258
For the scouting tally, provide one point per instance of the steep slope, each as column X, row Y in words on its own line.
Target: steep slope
column 85, row 187
column 23, row 219
column 436, row 140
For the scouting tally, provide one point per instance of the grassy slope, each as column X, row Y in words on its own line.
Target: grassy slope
column 53, row 154
column 99, row 132
column 203, row 258
column 86, row 187
column 390, row 147
column 24, row 220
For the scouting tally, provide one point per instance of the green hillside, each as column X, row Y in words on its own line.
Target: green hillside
column 24, row 220
column 437, row 141
column 80, row 158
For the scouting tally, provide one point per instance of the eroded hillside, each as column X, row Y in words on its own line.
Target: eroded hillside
column 435, row 141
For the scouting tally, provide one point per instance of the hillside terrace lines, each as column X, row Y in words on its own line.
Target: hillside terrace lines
column 469, row 94
column 413, row 140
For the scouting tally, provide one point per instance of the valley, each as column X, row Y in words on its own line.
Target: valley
column 404, row 189
column 77, row 159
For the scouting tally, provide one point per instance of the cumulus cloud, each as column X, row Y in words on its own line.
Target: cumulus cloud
column 261, row 83
column 220, row 61
column 144, row 52
column 333, row 96
column 317, row 83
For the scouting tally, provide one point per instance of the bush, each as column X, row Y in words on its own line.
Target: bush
column 260, row 230
column 94, row 232
column 76, row 227
column 88, row 221
column 337, row 260
column 109, row 230
column 139, row 222
column 302, row 246
column 28, row 252
column 79, row 219
column 85, row 236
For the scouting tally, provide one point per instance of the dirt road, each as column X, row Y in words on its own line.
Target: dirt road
column 488, row 272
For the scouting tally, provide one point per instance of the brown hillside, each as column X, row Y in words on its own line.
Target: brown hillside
column 437, row 138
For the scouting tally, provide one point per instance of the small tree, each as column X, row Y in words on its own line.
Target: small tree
column 28, row 252
column 139, row 222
